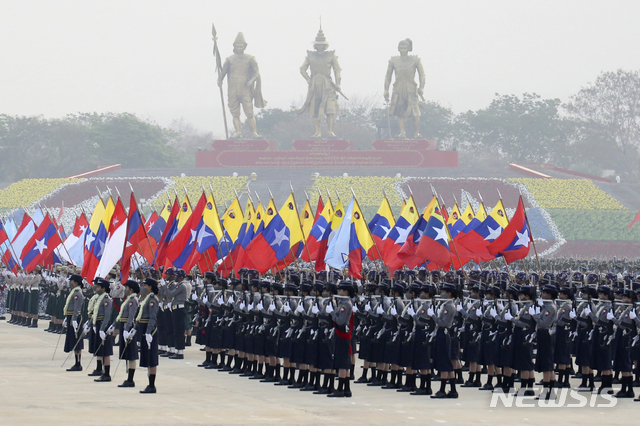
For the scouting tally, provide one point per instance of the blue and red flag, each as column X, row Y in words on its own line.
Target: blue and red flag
column 434, row 244
column 515, row 241
column 41, row 245
column 478, row 238
column 407, row 252
column 271, row 245
column 169, row 231
column 182, row 246
column 3, row 234
column 135, row 234
column 10, row 262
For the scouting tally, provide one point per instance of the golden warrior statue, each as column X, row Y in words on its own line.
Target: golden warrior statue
column 244, row 85
column 322, row 94
column 404, row 101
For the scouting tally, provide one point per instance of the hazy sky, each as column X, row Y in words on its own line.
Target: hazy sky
column 154, row 58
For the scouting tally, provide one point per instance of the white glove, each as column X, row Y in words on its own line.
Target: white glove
column 610, row 316
column 537, row 309
column 125, row 334
column 355, row 308
column 430, row 311
column 362, row 298
column 572, row 314
column 64, row 323
column 110, row 329
column 194, row 297
column 231, row 299
column 485, row 302
column 459, row 307
column 632, row 314
column 532, row 310
column 287, row 308
column 241, row 306
column 508, row 316
column 493, row 312
column 367, row 307
column 329, row 308
column 479, row 312
column 149, row 338
column 205, row 299
column 587, row 310
column 314, row 309
column 86, row 328
column 103, row 335
column 300, row 308
column 394, row 311
column 132, row 333
column 468, row 305
column 260, row 306
column 162, row 281
column 379, row 310
column 540, row 302
column 250, row 307
column 500, row 306
column 410, row 311
column 75, row 325
column 94, row 330
column 272, row 307
column 220, row 300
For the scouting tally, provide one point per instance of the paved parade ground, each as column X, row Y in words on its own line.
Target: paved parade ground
column 35, row 391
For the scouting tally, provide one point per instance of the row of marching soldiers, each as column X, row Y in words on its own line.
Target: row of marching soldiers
column 414, row 327
column 136, row 323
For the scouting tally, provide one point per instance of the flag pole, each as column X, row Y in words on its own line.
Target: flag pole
column 216, row 54
column 530, row 233
column 13, row 252
column 443, row 207
column 295, row 205
column 224, row 237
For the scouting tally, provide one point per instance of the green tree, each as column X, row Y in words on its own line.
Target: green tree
column 513, row 129
column 607, row 117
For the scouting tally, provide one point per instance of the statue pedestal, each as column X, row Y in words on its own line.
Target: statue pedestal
column 244, row 145
column 322, row 145
column 404, row 144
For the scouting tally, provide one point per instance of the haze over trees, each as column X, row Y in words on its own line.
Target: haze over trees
column 597, row 128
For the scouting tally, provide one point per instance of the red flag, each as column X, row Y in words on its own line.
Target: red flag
column 170, row 229
column 40, row 245
column 135, row 234
column 305, row 253
column 515, row 240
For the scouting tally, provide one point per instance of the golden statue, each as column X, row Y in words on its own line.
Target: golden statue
column 404, row 101
column 244, row 85
column 322, row 95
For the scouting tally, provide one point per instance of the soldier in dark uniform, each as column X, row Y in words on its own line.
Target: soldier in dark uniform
column 380, row 334
column 545, row 318
column 342, row 316
column 100, row 323
column 489, row 343
column 443, row 318
column 124, row 325
column 601, row 355
column 72, row 319
column 325, row 340
column 523, row 334
column 424, row 332
column 177, row 293
column 472, row 314
column 562, row 353
column 364, row 332
column 147, row 330
column 624, row 320
column 406, row 327
column 214, row 328
column 393, row 340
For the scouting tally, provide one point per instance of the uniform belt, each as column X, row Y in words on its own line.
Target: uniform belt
column 100, row 318
column 68, row 313
column 144, row 321
column 180, row 306
column 123, row 320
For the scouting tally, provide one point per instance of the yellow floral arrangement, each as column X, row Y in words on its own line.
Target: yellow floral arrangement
column 580, row 194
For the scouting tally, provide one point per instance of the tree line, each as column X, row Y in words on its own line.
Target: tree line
column 598, row 128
